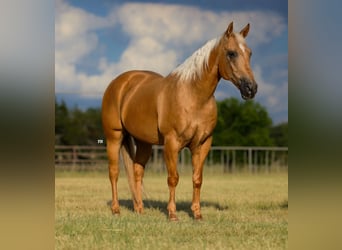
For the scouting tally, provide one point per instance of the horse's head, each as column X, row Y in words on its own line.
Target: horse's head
column 234, row 61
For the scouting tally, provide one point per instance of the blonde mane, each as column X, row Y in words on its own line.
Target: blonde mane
column 194, row 65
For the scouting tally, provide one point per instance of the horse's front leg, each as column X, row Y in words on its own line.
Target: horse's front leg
column 199, row 154
column 170, row 157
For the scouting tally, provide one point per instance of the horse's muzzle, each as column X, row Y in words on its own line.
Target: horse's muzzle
column 248, row 88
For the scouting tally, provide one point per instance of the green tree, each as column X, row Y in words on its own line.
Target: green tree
column 77, row 127
column 61, row 122
column 76, row 133
column 279, row 134
column 244, row 123
column 93, row 125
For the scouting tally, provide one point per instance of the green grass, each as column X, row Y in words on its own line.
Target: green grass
column 240, row 211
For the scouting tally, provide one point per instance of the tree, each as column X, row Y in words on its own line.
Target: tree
column 77, row 127
column 279, row 134
column 93, row 125
column 61, row 122
column 244, row 123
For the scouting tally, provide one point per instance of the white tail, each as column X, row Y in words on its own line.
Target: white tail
column 128, row 154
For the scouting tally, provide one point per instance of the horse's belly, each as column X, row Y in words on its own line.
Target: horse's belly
column 143, row 131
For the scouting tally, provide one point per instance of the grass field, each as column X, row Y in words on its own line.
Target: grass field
column 240, row 211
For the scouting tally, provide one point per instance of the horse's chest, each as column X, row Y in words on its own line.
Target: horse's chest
column 199, row 125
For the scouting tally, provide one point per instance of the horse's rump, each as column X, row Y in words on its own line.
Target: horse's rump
column 130, row 104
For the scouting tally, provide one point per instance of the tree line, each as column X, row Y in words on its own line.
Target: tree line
column 240, row 123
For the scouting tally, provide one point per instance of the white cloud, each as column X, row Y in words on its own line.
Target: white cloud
column 75, row 34
column 148, row 53
column 75, row 37
column 167, row 23
column 160, row 37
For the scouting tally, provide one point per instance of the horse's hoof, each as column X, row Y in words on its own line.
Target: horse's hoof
column 139, row 210
column 173, row 217
column 116, row 211
column 198, row 217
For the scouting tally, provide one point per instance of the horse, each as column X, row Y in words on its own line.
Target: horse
column 143, row 108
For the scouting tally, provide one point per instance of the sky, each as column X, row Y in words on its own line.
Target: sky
column 95, row 41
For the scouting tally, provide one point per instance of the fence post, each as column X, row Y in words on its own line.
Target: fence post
column 223, row 163
column 234, row 160
column 74, row 155
column 250, row 160
column 266, row 161
column 228, row 163
column 272, row 158
column 255, row 165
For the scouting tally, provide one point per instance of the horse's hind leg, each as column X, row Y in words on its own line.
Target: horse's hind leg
column 142, row 155
column 114, row 140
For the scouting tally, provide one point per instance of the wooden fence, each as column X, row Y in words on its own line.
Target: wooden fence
column 229, row 159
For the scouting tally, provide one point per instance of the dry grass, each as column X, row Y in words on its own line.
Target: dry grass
column 240, row 212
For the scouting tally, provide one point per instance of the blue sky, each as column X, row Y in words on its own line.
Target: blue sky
column 97, row 40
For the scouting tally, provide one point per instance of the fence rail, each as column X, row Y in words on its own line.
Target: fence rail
column 228, row 158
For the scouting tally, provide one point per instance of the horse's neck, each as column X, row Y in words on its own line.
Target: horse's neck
column 205, row 85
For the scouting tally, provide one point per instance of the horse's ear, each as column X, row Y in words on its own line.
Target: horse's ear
column 229, row 30
column 245, row 30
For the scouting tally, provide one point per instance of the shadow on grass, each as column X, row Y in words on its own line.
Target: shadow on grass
column 162, row 206
column 272, row 205
column 284, row 204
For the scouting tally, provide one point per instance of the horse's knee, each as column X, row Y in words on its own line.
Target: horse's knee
column 197, row 181
column 173, row 180
column 113, row 172
column 197, row 184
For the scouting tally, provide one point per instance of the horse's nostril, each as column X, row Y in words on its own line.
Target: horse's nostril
column 255, row 89
column 248, row 88
column 246, row 85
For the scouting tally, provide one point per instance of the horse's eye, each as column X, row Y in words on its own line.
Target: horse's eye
column 231, row 54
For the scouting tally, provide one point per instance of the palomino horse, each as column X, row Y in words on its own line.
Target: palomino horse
column 176, row 111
